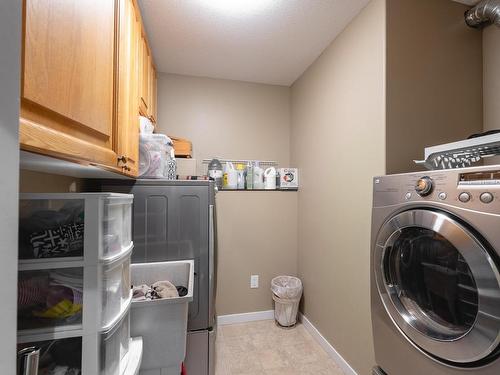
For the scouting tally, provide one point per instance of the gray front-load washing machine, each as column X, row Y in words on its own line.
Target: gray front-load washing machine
column 435, row 281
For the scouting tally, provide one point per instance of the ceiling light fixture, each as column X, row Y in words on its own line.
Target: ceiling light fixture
column 237, row 8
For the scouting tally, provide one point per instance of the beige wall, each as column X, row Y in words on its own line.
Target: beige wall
column 239, row 120
column 338, row 110
column 257, row 236
column 226, row 119
column 434, row 78
column 36, row 182
column 491, row 74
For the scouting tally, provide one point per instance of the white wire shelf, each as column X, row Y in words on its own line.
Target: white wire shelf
column 269, row 163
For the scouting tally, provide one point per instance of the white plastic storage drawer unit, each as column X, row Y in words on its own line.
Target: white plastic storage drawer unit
column 76, row 268
column 74, row 280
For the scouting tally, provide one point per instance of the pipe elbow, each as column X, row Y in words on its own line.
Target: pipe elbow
column 487, row 12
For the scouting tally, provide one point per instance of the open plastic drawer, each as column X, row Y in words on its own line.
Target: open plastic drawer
column 97, row 226
column 50, row 299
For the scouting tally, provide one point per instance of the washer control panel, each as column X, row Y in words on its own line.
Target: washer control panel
column 475, row 188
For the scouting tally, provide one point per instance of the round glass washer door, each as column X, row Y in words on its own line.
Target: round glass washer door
column 439, row 285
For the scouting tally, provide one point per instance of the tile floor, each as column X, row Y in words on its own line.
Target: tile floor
column 262, row 348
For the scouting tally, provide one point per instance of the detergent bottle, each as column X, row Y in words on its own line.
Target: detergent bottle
column 230, row 176
column 258, row 176
column 270, row 178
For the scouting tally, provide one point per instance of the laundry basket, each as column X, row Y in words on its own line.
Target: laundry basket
column 162, row 323
column 287, row 291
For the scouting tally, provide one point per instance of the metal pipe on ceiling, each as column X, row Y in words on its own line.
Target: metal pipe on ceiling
column 487, row 12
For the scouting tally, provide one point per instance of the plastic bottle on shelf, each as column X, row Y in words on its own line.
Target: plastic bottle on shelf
column 240, row 168
column 270, row 178
column 249, row 175
column 215, row 172
column 258, row 176
column 230, row 176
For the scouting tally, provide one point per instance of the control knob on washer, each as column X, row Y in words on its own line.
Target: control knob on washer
column 424, row 186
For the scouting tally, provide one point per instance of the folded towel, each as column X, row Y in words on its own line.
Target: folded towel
column 159, row 290
column 139, row 292
column 165, row 289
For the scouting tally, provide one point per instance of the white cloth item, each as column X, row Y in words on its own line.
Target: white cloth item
column 64, row 370
column 145, row 125
column 159, row 290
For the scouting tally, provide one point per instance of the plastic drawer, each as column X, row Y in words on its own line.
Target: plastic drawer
column 104, row 353
column 51, row 228
column 55, row 355
column 50, row 299
column 114, row 347
column 116, row 292
column 97, row 226
column 116, row 226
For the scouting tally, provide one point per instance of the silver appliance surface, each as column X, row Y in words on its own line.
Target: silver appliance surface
column 435, row 280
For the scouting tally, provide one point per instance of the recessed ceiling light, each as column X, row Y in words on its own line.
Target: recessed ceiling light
column 238, row 7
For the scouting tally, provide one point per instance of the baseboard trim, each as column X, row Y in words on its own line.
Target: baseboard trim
column 330, row 350
column 245, row 317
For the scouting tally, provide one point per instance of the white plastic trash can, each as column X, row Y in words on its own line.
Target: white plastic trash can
column 287, row 291
column 162, row 323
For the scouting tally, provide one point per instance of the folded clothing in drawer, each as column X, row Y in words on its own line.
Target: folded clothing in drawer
column 53, row 299
column 97, row 226
column 51, row 230
column 49, row 298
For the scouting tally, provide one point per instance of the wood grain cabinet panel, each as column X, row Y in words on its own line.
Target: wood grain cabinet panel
column 153, row 93
column 144, row 77
column 88, row 73
column 128, row 90
column 67, row 103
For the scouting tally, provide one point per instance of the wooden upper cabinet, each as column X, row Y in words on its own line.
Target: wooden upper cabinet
column 68, row 82
column 87, row 75
column 128, row 87
column 144, row 77
column 153, row 97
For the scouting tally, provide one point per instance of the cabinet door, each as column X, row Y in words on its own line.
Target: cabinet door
column 127, row 88
column 144, row 77
column 67, row 103
column 153, row 112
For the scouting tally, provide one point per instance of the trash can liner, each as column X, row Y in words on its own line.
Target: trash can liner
column 287, row 291
column 286, row 287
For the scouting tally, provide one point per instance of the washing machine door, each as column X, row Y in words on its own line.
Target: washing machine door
column 440, row 285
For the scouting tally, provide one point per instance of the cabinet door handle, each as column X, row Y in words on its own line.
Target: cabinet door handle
column 122, row 159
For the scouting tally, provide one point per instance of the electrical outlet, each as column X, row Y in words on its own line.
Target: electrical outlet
column 254, row 281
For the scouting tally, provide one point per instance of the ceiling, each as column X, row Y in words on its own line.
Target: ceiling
column 265, row 41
